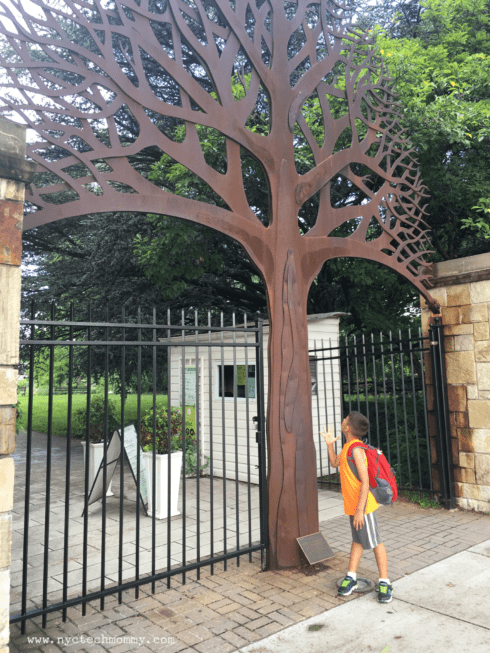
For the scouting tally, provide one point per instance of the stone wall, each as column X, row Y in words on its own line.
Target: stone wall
column 14, row 172
column 462, row 287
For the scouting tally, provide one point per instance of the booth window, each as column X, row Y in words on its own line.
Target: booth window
column 245, row 378
column 314, row 383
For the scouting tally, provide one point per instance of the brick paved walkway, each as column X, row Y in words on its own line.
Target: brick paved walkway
column 227, row 610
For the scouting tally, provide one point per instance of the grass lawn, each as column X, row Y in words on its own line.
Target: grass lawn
column 60, row 410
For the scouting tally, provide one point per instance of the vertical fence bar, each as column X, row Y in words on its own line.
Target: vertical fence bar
column 138, row 458
column 366, row 381
column 415, row 408
column 402, row 371
column 68, row 465
column 235, row 408
column 211, row 439
column 223, row 442
column 326, row 411
column 27, row 495
column 154, row 451
column 121, row 460
column 87, row 463
column 387, row 426
column 183, row 409
column 259, row 366
column 395, row 408
column 247, row 421
column 442, row 413
column 169, row 447
column 198, row 447
column 318, row 410
column 47, row 515
column 375, row 389
column 356, row 367
column 104, row 469
column 347, row 355
column 424, row 396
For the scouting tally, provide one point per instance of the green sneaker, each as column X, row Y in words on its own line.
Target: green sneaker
column 347, row 587
column 385, row 592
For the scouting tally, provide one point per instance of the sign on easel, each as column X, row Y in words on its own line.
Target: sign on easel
column 110, row 460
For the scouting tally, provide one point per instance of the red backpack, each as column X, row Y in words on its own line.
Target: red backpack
column 382, row 481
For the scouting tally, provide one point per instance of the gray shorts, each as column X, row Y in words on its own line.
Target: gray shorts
column 368, row 535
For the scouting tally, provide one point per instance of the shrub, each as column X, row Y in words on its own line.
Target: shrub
column 161, row 431
column 97, row 419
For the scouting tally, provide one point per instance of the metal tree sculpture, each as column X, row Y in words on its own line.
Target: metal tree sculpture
column 83, row 69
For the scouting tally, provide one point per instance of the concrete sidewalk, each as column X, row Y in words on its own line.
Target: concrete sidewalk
column 433, row 562
column 444, row 607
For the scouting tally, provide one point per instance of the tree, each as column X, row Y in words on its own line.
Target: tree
column 296, row 54
column 442, row 73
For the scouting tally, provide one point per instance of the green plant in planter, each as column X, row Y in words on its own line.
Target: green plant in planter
column 176, row 439
column 97, row 419
column 161, row 430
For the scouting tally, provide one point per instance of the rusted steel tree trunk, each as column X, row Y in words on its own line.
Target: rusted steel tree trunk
column 93, row 71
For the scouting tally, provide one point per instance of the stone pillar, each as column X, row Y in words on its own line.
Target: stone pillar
column 15, row 171
column 462, row 287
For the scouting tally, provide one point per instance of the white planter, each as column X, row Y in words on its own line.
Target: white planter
column 96, row 455
column 161, row 495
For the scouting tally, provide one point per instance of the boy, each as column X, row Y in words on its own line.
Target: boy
column 359, row 504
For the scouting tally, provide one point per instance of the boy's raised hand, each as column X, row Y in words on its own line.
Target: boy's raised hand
column 328, row 435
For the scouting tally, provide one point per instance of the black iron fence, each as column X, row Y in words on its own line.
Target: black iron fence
column 381, row 376
column 118, row 513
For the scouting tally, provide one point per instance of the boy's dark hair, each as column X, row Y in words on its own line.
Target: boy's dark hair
column 359, row 423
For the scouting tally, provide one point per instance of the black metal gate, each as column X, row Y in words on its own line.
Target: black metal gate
column 158, row 384
column 383, row 376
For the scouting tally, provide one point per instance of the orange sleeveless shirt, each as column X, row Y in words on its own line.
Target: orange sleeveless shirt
column 351, row 487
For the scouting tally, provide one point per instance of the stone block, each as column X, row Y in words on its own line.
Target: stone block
column 482, row 350
column 458, row 329
column 453, row 426
column 461, row 368
column 463, row 475
column 10, row 280
column 449, row 342
column 425, row 319
column 7, row 429
column 464, row 343
column 480, row 292
column 467, row 460
column 481, row 331
column 457, row 398
column 472, row 391
column 481, row 440
column 451, row 315
column 436, row 480
column 478, row 506
column 8, row 385
column 4, row 606
column 482, row 468
column 479, row 413
column 465, row 439
column 484, row 394
column 458, row 488
column 476, row 492
column 5, row 540
column 483, row 376
column 454, row 451
column 6, row 484
column 461, row 419
column 431, row 421
column 11, row 219
column 458, row 295
column 476, row 313
column 12, row 190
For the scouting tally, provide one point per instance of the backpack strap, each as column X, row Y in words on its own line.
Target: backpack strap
column 350, row 457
